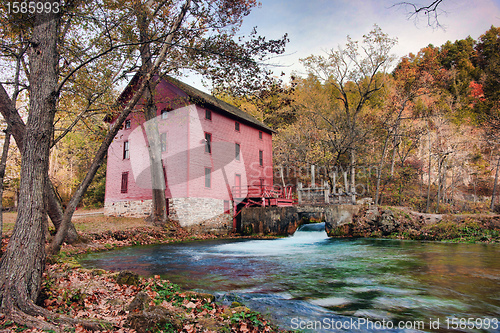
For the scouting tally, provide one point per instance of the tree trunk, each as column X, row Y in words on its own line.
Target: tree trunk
column 379, row 171
column 3, row 162
column 429, row 172
column 22, row 264
column 159, row 212
column 440, row 181
column 101, row 153
column 353, row 178
column 54, row 209
column 493, row 194
column 159, row 209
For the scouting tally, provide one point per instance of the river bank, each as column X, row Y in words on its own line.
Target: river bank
column 403, row 223
column 133, row 304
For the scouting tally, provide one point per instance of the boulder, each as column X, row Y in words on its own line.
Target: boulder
column 152, row 319
column 140, row 302
column 127, row 277
column 387, row 223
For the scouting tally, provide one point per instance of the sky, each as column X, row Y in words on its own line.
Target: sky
column 316, row 26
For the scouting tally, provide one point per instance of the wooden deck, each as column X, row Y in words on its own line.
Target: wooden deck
column 261, row 196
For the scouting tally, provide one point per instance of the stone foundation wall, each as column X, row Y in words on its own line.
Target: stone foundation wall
column 196, row 214
column 135, row 208
column 202, row 214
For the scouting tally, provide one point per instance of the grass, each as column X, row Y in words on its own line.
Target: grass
column 94, row 223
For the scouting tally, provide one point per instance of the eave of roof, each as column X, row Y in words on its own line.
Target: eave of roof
column 199, row 97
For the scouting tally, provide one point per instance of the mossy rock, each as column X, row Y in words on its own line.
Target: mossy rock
column 128, row 278
column 228, row 312
column 140, row 302
column 152, row 318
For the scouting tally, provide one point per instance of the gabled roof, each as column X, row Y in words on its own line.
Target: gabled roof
column 199, row 97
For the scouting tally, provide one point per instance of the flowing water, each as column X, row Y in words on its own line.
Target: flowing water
column 309, row 281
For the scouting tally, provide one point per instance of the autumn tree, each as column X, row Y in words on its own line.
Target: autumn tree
column 356, row 74
column 486, row 94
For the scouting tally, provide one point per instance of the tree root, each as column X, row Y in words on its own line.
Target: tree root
column 34, row 314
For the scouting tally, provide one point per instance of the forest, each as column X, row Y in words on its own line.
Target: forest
column 423, row 129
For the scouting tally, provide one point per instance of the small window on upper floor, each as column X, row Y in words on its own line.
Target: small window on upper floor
column 236, row 126
column 237, row 151
column 261, row 158
column 128, row 123
column 260, row 135
column 208, row 143
column 164, row 113
column 208, row 114
column 126, row 150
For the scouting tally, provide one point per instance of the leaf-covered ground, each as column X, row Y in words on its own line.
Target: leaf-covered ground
column 95, row 294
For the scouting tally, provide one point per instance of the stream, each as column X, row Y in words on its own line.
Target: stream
column 314, row 283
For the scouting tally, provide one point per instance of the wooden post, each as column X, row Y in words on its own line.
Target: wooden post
column 313, row 177
column 299, row 193
column 235, row 210
column 326, row 190
column 282, row 176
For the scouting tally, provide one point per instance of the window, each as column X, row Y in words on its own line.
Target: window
column 208, row 143
column 208, row 180
column 237, row 186
column 164, row 114
column 237, row 126
column 260, row 135
column 163, row 141
column 261, row 158
column 128, row 123
column 208, row 115
column 237, row 151
column 124, row 182
column 126, row 152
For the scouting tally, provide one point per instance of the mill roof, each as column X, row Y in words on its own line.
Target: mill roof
column 201, row 98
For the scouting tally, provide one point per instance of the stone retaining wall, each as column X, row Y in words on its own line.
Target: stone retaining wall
column 285, row 220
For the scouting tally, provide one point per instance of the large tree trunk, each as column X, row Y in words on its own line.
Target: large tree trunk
column 159, row 212
column 54, row 208
column 23, row 262
column 159, row 209
column 3, row 163
column 101, row 153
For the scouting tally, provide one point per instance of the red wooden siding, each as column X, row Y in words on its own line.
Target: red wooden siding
column 183, row 135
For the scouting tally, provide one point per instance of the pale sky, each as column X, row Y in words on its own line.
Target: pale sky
column 315, row 26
